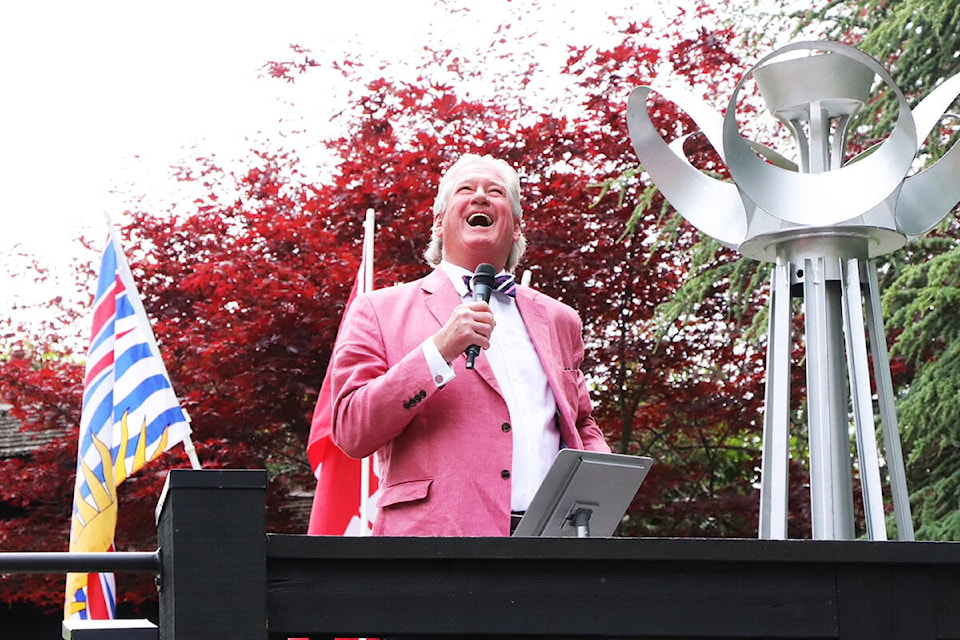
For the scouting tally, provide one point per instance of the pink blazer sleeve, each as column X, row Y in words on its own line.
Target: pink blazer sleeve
column 373, row 380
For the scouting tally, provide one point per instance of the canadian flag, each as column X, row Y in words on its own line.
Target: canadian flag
column 341, row 502
column 339, row 499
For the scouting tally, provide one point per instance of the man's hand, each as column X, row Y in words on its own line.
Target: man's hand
column 470, row 323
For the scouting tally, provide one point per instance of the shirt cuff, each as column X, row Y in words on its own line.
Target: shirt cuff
column 440, row 371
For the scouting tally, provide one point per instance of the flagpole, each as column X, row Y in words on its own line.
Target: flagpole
column 188, row 447
column 367, row 285
column 137, row 303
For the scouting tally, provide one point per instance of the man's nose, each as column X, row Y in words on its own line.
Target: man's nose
column 479, row 195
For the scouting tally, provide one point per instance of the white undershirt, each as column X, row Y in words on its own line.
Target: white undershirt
column 520, row 375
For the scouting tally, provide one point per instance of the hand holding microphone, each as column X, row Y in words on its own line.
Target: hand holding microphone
column 469, row 326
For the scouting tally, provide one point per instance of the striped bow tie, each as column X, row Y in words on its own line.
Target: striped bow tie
column 504, row 284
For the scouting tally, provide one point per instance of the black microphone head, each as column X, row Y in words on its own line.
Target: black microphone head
column 484, row 275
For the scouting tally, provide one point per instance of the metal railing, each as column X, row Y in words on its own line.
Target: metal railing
column 57, row 562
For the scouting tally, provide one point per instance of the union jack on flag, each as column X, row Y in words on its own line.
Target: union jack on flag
column 130, row 415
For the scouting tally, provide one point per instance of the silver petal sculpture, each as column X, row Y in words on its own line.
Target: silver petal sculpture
column 821, row 220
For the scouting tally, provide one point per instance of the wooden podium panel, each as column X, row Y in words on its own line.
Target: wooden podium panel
column 613, row 587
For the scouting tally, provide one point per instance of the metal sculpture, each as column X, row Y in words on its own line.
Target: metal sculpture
column 821, row 221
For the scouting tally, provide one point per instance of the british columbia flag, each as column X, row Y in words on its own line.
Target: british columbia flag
column 130, row 415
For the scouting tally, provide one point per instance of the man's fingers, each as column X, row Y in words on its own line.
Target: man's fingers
column 469, row 324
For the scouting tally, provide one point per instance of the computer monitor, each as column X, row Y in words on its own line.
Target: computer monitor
column 584, row 494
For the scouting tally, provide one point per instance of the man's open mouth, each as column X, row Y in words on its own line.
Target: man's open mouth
column 479, row 220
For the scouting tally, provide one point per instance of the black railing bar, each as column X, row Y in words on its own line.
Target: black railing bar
column 57, row 562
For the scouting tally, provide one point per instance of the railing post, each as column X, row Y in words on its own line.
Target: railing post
column 212, row 535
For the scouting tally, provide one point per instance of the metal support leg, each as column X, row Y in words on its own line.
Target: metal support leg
column 859, row 374
column 831, row 484
column 888, row 413
column 774, row 474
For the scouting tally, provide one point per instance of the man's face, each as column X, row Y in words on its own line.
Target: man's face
column 478, row 224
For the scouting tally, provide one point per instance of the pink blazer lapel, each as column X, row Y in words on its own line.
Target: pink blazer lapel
column 538, row 324
column 441, row 298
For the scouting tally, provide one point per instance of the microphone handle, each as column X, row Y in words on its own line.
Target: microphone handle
column 482, row 293
column 472, row 352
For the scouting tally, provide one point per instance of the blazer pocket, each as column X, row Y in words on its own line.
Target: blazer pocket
column 404, row 492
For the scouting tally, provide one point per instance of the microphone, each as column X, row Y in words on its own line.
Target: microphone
column 484, row 280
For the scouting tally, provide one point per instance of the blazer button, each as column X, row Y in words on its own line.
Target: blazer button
column 505, row 474
column 505, row 427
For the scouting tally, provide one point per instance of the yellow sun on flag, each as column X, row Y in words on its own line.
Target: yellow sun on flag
column 95, row 520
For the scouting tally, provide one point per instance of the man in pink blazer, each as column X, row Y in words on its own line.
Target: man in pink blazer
column 461, row 450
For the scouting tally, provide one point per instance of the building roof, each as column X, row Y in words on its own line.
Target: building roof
column 15, row 441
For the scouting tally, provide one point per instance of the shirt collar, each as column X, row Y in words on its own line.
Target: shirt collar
column 456, row 273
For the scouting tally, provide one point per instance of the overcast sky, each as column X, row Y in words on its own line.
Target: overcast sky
column 99, row 98
column 104, row 96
